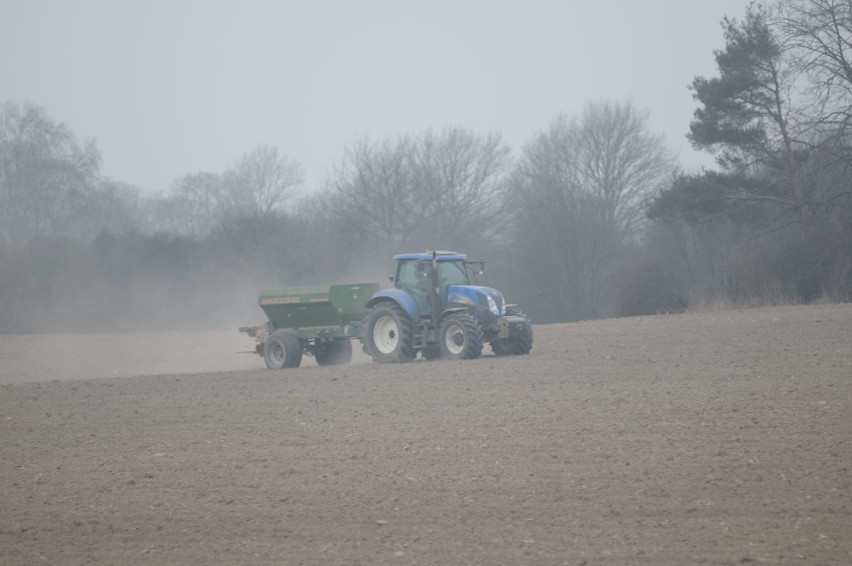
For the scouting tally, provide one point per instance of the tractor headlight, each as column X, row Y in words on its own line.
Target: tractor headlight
column 492, row 306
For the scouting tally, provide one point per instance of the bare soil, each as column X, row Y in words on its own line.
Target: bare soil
column 712, row 438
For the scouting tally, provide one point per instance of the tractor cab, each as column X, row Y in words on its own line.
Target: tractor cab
column 436, row 280
column 417, row 276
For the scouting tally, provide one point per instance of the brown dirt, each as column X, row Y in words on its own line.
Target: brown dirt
column 715, row 438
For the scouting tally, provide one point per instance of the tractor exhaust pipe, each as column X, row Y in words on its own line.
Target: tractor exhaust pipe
column 436, row 292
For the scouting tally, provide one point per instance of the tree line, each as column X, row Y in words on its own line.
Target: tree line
column 590, row 218
column 772, row 222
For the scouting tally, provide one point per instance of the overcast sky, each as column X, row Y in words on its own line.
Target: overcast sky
column 173, row 87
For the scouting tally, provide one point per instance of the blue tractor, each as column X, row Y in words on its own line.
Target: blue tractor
column 434, row 309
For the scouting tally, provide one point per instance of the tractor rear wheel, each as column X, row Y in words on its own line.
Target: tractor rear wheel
column 460, row 337
column 519, row 342
column 282, row 349
column 390, row 334
column 336, row 352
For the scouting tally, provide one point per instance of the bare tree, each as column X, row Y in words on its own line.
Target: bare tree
column 255, row 188
column 818, row 34
column 459, row 178
column 621, row 163
column 44, row 173
column 262, row 181
column 193, row 207
column 372, row 193
column 415, row 191
column 578, row 193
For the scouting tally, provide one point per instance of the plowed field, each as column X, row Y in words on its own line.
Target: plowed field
column 711, row 438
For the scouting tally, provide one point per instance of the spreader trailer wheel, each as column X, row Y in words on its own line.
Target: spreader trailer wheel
column 282, row 349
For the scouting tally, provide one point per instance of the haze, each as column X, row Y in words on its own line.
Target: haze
column 168, row 88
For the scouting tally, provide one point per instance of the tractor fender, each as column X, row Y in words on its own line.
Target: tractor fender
column 446, row 312
column 398, row 296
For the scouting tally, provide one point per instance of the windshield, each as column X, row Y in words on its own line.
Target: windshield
column 451, row 273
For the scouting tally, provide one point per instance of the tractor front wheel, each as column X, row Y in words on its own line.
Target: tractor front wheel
column 390, row 334
column 460, row 337
column 282, row 349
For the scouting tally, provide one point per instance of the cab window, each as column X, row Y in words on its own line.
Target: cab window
column 451, row 273
column 407, row 276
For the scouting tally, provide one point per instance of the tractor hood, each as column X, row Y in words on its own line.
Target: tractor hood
column 477, row 296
